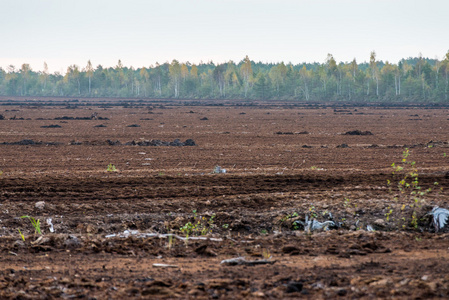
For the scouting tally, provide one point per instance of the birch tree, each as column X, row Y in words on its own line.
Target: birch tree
column 374, row 70
column 175, row 75
column 89, row 73
column 247, row 72
column 25, row 74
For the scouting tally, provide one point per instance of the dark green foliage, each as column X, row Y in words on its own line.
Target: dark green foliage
column 411, row 80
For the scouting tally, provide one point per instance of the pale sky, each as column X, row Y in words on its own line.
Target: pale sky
column 142, row 32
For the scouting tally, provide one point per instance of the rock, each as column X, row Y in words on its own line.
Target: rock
column 379, row 283
column 190, row 142
column 40, row 205
column 380, row 223
column 258, row 295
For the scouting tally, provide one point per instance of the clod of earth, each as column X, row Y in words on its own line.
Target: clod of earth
column 358, row 132
column 51, row 126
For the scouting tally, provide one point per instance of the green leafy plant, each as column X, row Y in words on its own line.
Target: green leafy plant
column 313, row 213
column 200, row 225
column 291, row 216
column 111, row 168
column 36, row 223
column 407, row 189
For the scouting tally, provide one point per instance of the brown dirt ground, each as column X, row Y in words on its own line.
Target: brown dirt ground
column 272, row 180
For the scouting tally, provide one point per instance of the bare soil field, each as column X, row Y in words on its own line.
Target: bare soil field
column 161, row 224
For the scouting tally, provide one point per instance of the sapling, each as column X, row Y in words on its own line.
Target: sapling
column 407, row 188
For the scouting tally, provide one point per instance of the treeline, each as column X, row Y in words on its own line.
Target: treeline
column 415, row 80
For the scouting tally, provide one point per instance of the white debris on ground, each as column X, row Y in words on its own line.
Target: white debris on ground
column 440, row 217
column 49, row 223
column 138, row 234
column 219, row 170
column 314, row 225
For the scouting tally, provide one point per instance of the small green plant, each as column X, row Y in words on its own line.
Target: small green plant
column 291, row 216
column 313, row 213
column 225, row 226
column 313, row 167
column 111, row 168
column 1, row 172
column 36, row 223
column 21, row 235
column 264, row 231
column 407, row 189
column 200, row 225
column 388, row 214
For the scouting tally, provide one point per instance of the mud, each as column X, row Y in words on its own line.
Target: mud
column 118, row 234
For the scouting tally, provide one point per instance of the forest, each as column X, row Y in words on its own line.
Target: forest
column 416, row 79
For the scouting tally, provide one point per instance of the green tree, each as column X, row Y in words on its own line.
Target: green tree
column 219, row 77
column 25, row 74
column 278, row 75
column 72, row 76
column 247, row 72
column 144, row 76
column 261, row 86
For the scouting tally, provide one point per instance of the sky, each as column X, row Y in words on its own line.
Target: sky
column 143, row 32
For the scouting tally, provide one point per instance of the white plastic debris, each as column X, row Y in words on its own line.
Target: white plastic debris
column 315, row 225
column 440, row 217
column 219, row 170
column 369, row 228
column 165, row 266
column 49, row 223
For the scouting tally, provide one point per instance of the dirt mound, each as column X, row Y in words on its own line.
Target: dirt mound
column 51, row 126
column 358, row 132
column 27, row 142
column 175, row 143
